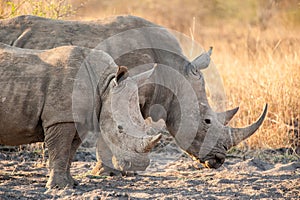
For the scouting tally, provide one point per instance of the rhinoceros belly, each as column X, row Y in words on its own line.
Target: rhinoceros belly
column 18, row 136
column 21, row 103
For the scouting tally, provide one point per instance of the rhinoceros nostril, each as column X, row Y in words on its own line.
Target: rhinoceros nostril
column 120, row 129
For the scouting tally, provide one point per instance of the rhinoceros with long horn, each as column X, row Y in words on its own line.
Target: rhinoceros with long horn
column 59, row 95
column 133, row 41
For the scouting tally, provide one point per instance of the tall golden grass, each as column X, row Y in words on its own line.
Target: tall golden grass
column 256, row 50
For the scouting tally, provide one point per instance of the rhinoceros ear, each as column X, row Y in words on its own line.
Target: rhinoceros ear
column 122, row 74
column 202, row 61
column 141, row 78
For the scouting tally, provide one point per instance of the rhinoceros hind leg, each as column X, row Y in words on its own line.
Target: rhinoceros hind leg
column 59, row 139
column 75, row 144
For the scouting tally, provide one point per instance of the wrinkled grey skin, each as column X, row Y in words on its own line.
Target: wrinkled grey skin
column 40, row 33
column 37, row 101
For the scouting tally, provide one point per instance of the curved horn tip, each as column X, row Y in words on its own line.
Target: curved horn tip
column 262, row 117
column 265, row 110
column 239, row 134
column 266, row 106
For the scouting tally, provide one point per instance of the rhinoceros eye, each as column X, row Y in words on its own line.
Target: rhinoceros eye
column 207, row 121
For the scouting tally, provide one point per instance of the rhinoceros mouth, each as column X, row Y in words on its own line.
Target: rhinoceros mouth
column 197, row 159
column 214, row 163
column 211, row 161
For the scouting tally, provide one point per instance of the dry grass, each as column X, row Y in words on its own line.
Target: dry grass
column 256, row 52
column 263, row 66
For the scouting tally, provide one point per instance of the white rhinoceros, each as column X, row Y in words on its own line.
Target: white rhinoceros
column 135, row 42
column 59, row 95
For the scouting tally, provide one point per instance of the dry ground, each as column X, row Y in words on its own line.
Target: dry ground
column 269, row 174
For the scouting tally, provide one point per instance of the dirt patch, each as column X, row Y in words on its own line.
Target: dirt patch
column 265, row 174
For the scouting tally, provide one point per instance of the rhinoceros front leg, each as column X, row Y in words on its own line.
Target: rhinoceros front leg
column 59, row 140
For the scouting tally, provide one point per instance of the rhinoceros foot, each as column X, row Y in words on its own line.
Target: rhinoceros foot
column 61, row 180
column 102, row 170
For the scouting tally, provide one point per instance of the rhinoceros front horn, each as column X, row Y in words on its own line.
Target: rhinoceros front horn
column 239, row 134
column 143, row 144
column 150, row 142
column 138, row 144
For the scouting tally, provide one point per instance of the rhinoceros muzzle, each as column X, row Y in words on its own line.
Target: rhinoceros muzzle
column 214, row 161
column 234, row 136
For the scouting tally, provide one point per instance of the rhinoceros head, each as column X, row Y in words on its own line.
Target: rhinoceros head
column 122, row 125
column 213, row 137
